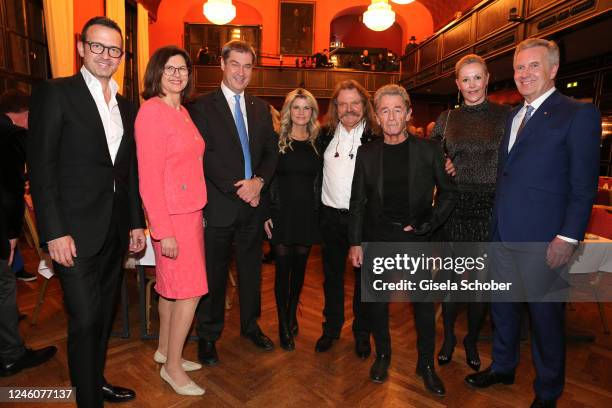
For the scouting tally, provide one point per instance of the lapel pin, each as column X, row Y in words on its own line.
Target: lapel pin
column 545, row 113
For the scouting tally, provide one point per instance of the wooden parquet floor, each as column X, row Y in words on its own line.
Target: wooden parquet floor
column 247, row 377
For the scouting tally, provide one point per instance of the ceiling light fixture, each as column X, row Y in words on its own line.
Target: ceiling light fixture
column 219, row 11
column 379, row 16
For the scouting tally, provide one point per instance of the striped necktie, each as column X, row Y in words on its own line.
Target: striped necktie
column 525, row 120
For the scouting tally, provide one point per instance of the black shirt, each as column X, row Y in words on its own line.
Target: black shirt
column 395, row 182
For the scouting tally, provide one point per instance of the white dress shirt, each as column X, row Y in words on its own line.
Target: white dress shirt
column 338, row 171
column 229, row 97
column 109, row 112
column 516, row 123
column 518, row 118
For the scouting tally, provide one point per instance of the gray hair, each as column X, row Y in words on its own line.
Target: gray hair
column 391, row 90
column 238, row 46
column 551, row 47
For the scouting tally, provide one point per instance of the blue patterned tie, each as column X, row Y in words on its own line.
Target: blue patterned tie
column 525, row 119
column 244, row 138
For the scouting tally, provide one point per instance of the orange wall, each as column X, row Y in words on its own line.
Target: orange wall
column 84, row 10
column 414, row 19
column 352, row 33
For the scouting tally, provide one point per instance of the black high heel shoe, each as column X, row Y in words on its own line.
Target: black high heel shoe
column 445, row 355
column 472, row 358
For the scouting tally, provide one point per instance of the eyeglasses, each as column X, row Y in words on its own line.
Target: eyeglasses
column 169, row 70
column 97, row 48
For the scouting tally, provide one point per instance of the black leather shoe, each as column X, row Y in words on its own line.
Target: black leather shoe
column 31, row 358
column 113, row 393
column 432, row 382
column 363, row 348
column 489, row 377
column 324, row 343
column 540, row 403
column 261, row 341
column 379, row 370
column 207, row 353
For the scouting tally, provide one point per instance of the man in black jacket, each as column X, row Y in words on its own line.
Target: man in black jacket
column 240, row 160
column 14, row 356
column 84, row 181
column 351, row 122
column 391, row 201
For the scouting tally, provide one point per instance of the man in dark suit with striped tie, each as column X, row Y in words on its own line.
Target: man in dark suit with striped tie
column 547, row 180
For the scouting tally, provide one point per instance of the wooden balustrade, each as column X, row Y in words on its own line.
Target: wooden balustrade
column 490, row 30
column 278, row 81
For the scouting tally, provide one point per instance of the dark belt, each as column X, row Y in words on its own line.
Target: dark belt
column 342, row 211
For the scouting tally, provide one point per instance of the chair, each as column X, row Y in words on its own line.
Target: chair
column 146, row 281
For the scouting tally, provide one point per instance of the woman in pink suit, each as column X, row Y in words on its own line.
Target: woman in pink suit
column 170, row 153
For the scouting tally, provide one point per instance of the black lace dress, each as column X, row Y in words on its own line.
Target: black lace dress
column 471, row 136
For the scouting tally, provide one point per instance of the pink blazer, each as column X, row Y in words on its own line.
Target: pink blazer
column 170, row 154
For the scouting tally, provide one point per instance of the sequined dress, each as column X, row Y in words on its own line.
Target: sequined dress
column 471, row 136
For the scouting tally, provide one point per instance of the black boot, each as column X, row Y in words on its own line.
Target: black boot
column 445, row 355
column 293, row 323
column 471, row 354
column 284, row 334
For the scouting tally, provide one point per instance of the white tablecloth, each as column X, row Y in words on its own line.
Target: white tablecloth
column 593, row 255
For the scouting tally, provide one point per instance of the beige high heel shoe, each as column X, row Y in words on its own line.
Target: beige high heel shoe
column 186, row 364
column 188, row 389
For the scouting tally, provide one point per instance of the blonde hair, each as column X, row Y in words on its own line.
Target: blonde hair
column 284, row 139
column 551, row 47
column 470, row 59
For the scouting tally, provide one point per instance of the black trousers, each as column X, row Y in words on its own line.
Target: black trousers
column 334, row 234
column 377, row 313
column 90, row 293
column 11, row 343
column 246, row 234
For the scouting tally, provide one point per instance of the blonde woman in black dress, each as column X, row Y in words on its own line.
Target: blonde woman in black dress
column 293, row 201
column 470, row 135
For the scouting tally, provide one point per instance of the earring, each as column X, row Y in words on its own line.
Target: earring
column 458, row 97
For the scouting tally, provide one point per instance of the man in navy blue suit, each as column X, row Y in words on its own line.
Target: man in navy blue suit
column 547, row 180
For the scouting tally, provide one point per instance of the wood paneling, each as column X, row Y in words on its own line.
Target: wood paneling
column 315, row 79
column 409, row 65
column 357, row 76
column 494, row 17
column 497, row 44
column 281, row 78
column 428, row 53
column 456, row 38
column 488, row 33
column 272, row 81
column 537, row 5
column 449, row 64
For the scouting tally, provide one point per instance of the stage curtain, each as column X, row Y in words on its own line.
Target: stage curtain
column 115, row 10
column 59, row 24
column 143, row 44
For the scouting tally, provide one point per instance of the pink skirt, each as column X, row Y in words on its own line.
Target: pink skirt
column 185, row 276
